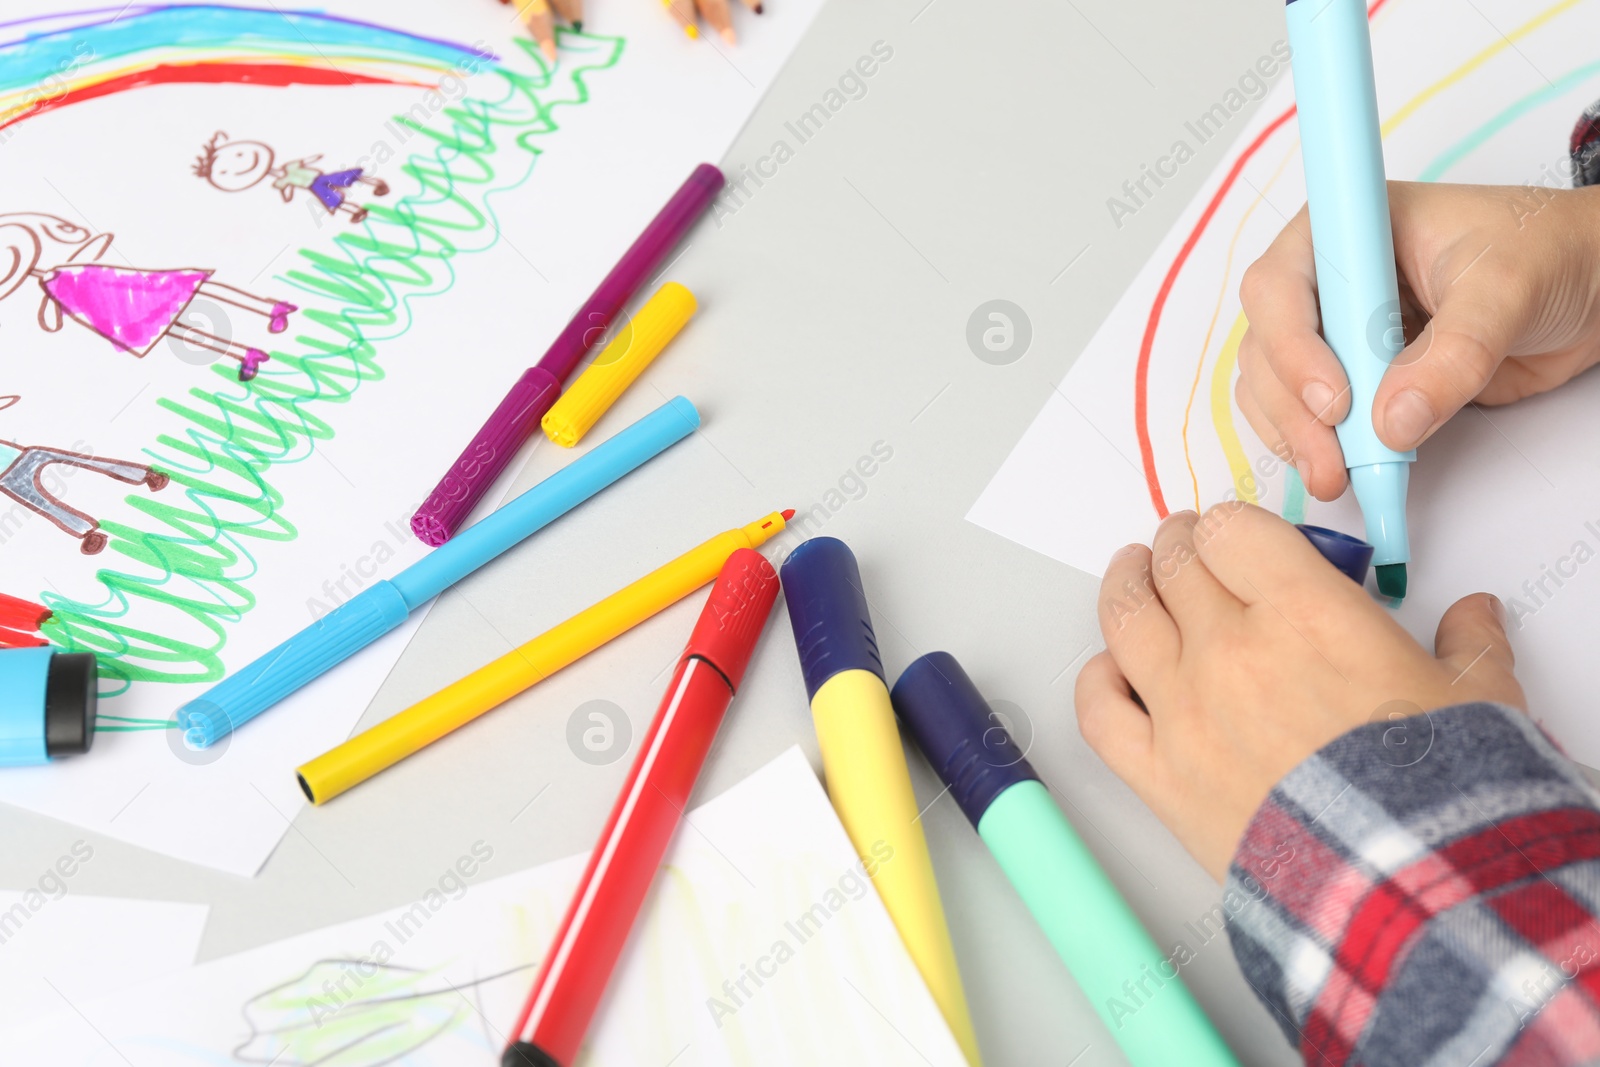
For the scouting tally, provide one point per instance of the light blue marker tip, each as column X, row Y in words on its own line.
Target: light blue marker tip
column 1342, row 147
column 375, row 611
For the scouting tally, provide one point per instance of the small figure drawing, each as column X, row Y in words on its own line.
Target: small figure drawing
column 132, row 308
column 21, row 478
column 234, row 166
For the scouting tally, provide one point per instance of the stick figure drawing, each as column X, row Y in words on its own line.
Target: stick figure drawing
column 234, row 166
column 130, row 307
column 22, row 473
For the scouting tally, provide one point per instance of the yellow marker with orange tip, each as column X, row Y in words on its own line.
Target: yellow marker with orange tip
column 382, row 746
column 865, row 764
column 623, row 360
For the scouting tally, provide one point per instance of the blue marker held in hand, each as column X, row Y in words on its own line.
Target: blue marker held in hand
column 1342, row 148
column 384, row 605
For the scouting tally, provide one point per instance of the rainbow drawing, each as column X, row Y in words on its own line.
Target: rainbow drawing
column 51, row 61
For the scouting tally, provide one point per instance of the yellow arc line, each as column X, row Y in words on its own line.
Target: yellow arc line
column 1199, row 367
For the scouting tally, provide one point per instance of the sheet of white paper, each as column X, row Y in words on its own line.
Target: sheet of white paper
column 1506, row 499
column 511, row 190
column 59, row 948
column 762, row 943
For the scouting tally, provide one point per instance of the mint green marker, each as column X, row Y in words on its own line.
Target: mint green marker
column 1132, row 983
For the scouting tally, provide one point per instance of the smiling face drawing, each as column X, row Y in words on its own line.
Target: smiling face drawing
column 233, row 166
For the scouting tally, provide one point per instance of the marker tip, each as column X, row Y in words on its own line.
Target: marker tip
column 1392, row 580
column 788, row 514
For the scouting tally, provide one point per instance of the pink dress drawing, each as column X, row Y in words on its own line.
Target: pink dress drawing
column 134, row 309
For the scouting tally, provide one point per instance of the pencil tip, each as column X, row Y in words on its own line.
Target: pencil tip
column 577, row 25
column 788, row 514
column 691, row 32
column 761, row 9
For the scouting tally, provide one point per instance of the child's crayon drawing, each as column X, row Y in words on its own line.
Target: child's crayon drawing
column 356, row 1012
column 280, row 481
column 234, row 166
column 132, row 308
column 67, row 58
column 21, row 480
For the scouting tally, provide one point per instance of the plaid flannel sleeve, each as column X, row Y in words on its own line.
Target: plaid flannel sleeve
column 1423, row 892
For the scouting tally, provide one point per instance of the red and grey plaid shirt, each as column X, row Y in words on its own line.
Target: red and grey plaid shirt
column 1424, row 893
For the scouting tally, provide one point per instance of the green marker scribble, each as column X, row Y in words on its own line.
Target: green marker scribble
column 193, row 569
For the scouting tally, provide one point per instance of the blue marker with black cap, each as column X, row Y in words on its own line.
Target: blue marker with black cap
column 1341, row 145
column 47, row 705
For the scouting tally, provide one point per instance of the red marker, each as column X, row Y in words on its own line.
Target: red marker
column 579, row 963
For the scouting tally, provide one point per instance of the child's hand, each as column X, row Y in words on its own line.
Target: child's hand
column 1492, row 271
column 1251, row 652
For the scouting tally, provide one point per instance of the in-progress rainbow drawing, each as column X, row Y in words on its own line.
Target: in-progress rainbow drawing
column 1146, row 421
column 1173, row 473
column 51, row 61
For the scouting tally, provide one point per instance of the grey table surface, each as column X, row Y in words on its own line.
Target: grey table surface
column 835, row 301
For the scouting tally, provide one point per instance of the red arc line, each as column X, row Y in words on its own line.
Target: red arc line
column 1141, row 380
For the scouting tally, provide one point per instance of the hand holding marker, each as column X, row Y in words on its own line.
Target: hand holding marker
column 1342, row 148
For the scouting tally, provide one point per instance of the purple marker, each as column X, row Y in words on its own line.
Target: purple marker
column 517, row 417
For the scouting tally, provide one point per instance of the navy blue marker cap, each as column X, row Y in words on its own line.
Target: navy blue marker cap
column 828, row 612
column 1350, row 554
column 965, row 741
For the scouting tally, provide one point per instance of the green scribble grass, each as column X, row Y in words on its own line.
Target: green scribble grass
column 189, row 577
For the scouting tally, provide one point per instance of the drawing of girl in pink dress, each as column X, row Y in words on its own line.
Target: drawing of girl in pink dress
column 132, row 308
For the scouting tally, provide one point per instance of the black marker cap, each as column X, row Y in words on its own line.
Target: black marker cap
column 527, row 1054
column 69, row 703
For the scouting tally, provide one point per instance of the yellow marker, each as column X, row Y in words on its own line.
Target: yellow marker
column 865, row 765
column 455, row 705
column 628, row 354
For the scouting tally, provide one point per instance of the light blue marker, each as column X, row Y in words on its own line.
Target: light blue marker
column 47, row 704
column 375, row 611
column 1342, row 147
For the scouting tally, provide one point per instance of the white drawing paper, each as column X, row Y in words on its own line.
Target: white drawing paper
column 59, row 948
column 762, row 942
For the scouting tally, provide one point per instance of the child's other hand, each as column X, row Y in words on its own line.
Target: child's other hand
column 1251, row 652
column 1486, row 273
